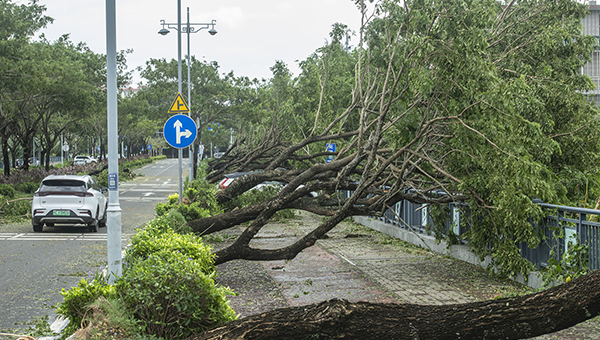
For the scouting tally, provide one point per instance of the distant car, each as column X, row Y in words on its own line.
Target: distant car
column 81, row 160
column 219, row 154
column 224, row 183
column 69, row 199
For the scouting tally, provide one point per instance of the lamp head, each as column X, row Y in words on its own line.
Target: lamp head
column 163, row 31
column 212, row 30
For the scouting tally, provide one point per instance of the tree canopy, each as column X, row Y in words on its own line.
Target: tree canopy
column 476, row 103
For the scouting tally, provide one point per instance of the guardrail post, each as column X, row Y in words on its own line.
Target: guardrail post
column 456, row 220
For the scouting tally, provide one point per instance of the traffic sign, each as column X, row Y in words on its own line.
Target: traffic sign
column 179, row 105
column 180, row 131
column 149, row 147
column 329, row 147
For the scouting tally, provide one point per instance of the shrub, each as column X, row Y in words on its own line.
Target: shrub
column 124, row 175
column 17, row 208
column 193, row 211
column 177, row 222
column 7, row 191
column 159, row 236
column 171, row 294
column 110, row 319
column 77, row 298
column 200, row 196
column 202, row 193
column 27, row 187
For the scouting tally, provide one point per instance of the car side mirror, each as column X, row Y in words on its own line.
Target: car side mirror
column 104, row 190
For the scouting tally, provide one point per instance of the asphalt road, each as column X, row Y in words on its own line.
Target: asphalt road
column 35, row 267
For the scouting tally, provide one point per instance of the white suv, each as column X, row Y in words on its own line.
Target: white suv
column 81, row 160
column 70, row 199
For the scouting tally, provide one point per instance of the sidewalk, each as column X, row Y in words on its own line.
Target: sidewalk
column 355, row 263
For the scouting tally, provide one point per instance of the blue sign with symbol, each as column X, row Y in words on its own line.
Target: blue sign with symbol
column 329, row 147
column 180, row 131
column 149, row 147
column 113, row 181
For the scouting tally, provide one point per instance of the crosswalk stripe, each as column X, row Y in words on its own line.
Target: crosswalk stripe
column 55, row 237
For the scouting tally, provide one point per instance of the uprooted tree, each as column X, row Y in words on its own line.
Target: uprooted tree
column 517, row 318
column 451, row 101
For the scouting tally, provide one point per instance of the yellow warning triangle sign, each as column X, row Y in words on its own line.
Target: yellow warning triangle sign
column 179, row 105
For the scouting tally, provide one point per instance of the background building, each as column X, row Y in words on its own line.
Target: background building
column 591, row 26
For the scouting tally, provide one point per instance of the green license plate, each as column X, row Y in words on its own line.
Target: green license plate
column 61, row 213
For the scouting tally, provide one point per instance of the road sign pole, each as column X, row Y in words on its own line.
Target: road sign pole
column 180, row 174
column 189, row 97
column 180, row 131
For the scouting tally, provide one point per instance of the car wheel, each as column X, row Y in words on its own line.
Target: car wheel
column 38, row 227
column 103, row 220
column 93, row 227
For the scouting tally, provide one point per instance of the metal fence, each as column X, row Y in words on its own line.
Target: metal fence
column 34, row 161
column 562, row 228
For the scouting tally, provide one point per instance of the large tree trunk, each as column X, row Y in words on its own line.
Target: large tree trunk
column 5, row 156
column 515, row 318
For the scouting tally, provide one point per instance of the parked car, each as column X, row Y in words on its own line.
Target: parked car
column 224, row 183
column 69, row 199
column 230, row 177
column 82, row 159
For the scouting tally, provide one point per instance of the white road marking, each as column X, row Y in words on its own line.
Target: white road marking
column 55, row 237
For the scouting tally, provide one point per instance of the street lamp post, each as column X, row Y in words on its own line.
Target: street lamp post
column 189, row 28
column 113, row 212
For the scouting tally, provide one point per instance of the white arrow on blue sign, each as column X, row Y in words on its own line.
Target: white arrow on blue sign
column 180, row 131
column 329, row 147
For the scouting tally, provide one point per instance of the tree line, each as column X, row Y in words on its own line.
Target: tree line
column 55, row 90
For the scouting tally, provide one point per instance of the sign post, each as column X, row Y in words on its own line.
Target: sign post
column 180, row 132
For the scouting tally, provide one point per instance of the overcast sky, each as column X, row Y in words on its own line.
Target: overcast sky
column 252, row 34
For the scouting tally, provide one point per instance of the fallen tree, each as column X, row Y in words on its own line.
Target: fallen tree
column 425, row 124
column 509, row 318
column 474, row 103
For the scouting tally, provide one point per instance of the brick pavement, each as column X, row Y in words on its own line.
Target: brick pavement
column 398, row 272
column 353, row 268
column 354, row 264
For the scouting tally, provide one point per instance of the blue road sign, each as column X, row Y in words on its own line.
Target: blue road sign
column 149, row 147
column 330, row 147
column 180, row 131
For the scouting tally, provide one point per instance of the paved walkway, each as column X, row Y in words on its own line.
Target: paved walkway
column 398, row 272
column 357, row 264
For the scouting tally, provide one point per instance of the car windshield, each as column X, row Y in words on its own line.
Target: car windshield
column 66, row 185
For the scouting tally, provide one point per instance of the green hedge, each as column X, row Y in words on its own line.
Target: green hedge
column 171, row 294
